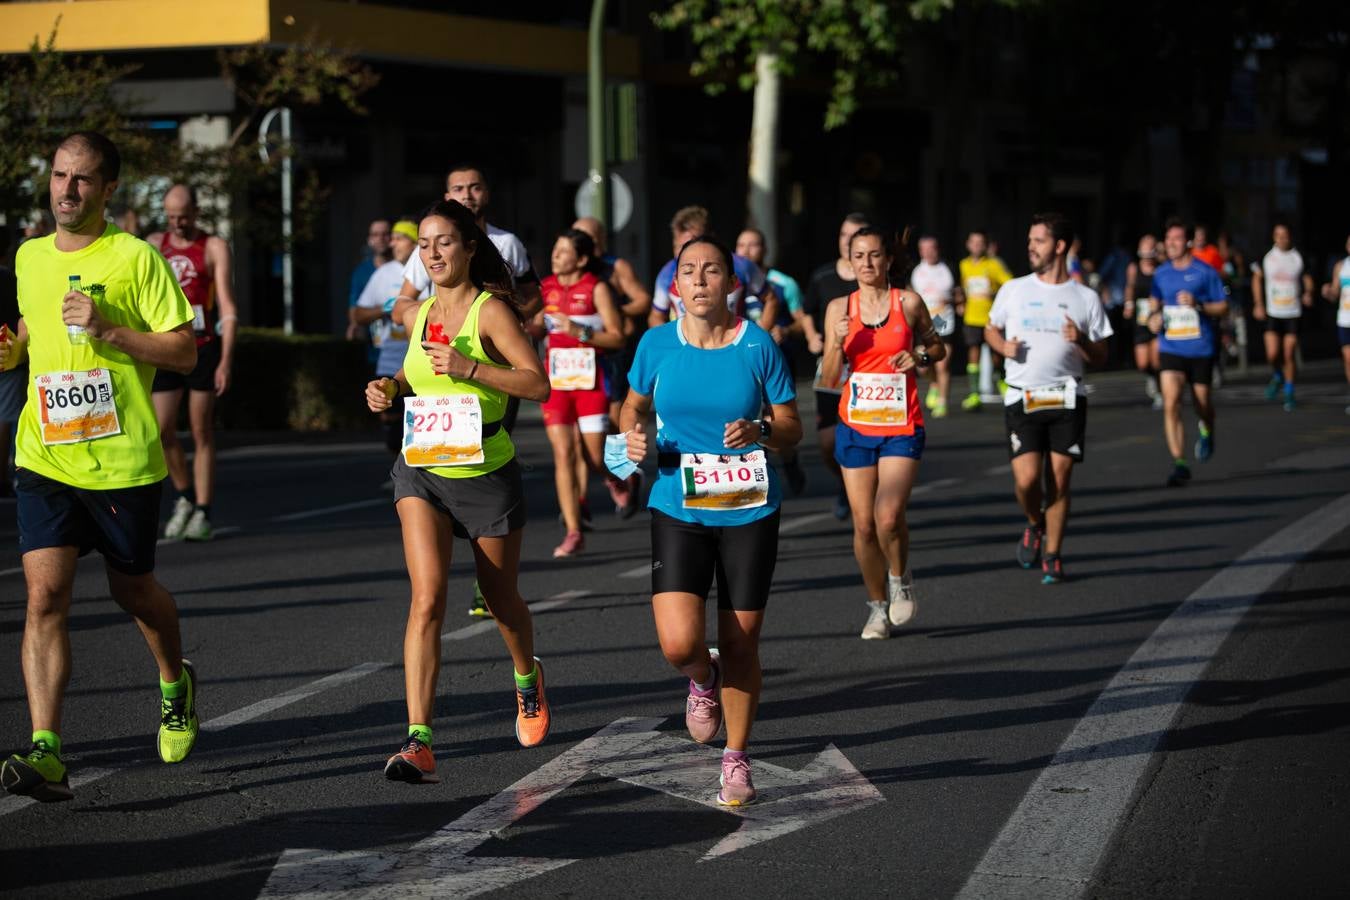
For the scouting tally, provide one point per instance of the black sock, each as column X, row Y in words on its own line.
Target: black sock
column 206, row 510
column 189, row 494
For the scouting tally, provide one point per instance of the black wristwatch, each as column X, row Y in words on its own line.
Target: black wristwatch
column 765, row 428
column 922, row 356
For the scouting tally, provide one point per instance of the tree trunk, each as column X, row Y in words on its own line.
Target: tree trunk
column 763, row 194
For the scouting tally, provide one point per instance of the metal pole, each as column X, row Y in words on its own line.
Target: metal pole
column 595, row 109
column 287, row 269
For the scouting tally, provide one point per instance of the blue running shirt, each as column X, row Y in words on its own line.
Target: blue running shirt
column 695, row 394
column 1206, row 286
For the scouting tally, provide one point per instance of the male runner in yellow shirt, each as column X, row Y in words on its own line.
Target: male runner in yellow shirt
column 100, row 311
column 981, row 277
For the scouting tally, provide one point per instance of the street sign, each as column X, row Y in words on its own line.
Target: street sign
column 620, row 195
column 629, row 750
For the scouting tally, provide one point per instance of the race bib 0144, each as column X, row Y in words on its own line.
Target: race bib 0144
column 571, row 368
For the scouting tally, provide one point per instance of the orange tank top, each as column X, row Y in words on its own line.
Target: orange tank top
column 877, row 400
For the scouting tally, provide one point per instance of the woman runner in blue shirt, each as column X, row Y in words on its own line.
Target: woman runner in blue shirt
column 716, row 500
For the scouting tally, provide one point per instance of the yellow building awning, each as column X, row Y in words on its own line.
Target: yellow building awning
column 379, row 32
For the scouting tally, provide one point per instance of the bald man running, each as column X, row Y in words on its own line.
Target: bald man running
column 202, row 264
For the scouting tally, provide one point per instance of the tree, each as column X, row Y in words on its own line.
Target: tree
column 757, row 42
column 47, row 93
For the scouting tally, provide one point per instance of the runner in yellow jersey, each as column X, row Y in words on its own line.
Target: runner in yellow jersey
column 100, row 311
column 457, row 475
column 982, row 274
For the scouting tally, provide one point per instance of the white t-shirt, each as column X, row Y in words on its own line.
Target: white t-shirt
column 507, row 244
column 390, row 338
column 1282, row 281
column 1033, row 312
column 934, row 283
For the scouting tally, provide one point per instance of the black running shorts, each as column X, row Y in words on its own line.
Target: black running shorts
column 1062, row 431
column 491, row 505
column 122, row 523
column 686, row 556
column 1197, row 369
column 201, row 378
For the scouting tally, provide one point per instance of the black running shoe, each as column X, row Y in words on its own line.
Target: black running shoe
column 1052, row 570
column 1029, row 548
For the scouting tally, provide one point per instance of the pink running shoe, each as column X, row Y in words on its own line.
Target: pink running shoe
column 737, row 788
column 621, row 492
column 573, row 544
column 703, row 709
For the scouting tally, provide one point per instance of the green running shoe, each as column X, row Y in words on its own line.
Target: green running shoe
column 178, row 721
column 971, row 403
column 39, row 774
column 931, row 400
column 479, row 609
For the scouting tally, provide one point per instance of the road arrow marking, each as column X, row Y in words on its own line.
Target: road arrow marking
column 629, row 750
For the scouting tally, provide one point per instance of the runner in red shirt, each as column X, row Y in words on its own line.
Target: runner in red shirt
column 202, row 264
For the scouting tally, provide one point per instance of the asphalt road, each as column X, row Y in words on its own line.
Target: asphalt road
column 1209, row 768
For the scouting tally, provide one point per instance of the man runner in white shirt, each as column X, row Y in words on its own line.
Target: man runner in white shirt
column 1281, row 287
column 1047, row 327
column 933, row 281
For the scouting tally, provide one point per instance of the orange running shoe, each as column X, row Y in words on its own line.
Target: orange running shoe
column 413, row 764
column 532, row 716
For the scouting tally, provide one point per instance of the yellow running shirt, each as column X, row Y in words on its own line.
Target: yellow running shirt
column 980, row 279
column 131, row 285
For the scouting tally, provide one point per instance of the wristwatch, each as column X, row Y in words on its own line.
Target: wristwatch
column 765, row 428
column 922, row 356
column 587, row 332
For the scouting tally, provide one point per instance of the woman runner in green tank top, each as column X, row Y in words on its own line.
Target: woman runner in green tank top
column 457, row 474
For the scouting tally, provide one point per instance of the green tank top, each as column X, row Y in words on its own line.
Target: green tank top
column 497, row 448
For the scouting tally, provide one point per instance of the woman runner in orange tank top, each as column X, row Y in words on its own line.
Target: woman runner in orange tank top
column 884, row 333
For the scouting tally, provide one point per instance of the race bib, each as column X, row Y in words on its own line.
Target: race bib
column 1181, row 323
column 198, row 318
column 1283, row 297
column 1049, row 397
column 1141, row 311
column 724, row 482
column 877, row 398
column 1345, row 300
column 442, row 431
column 820, row 385
column 978, row 286
column 76, row 406
column 571, row 368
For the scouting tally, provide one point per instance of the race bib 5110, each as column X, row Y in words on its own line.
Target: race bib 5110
column 724, row 482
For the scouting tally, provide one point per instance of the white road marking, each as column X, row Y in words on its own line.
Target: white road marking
column 798, row 523
column 631, row 750
column 935, row 486
column 1058, row 835
column 329, row 510
column 478, row 628
column 637, row 572
column 9, row 804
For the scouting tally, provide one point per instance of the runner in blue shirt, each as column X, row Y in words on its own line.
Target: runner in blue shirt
column 1188, row 295
column 715, row 501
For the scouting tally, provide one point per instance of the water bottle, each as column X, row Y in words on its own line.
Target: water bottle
column 76, row 333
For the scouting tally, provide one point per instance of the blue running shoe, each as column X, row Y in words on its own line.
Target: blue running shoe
column 1204, row 447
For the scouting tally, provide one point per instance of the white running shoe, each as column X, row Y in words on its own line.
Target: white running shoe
column 198, row 527
column 904, row 603
column 178, row 519
column 878, row 627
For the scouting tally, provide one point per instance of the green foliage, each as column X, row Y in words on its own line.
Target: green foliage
column 858, row 41
column 296, row 382
column 47, row 93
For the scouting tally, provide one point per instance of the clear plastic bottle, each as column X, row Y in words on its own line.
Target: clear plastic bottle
column 76, row 333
